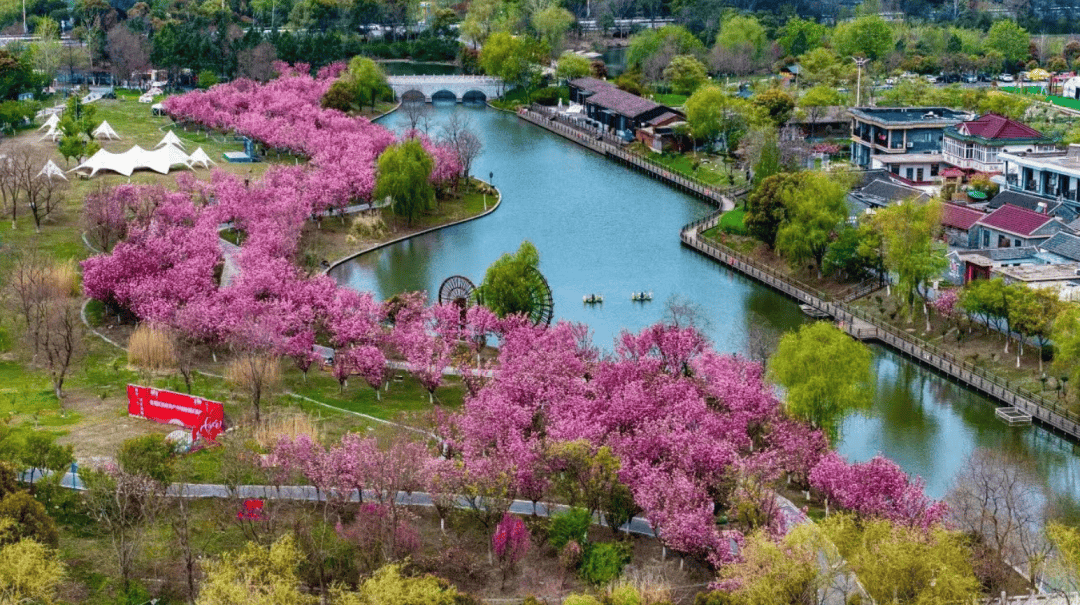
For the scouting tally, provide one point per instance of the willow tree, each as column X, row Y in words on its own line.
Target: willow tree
column 826, row 374
column 912, row 251
column 403, row 175
column 510, row 282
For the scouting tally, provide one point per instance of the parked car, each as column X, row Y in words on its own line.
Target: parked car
column 890, row 81
column 949, row 78
column 1005, row 78
column 931, row 78
column 970, row 78
column 985, row 77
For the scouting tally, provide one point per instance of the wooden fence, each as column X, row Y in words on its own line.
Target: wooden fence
column 861, row 325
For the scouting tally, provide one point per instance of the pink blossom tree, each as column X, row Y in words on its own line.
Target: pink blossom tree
column 510, row 543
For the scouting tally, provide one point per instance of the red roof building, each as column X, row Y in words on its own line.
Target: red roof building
column 974, row 146
column 961, row 218
column 1012, row 226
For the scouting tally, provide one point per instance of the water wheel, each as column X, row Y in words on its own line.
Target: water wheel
column 543, row 303
column 456, row 289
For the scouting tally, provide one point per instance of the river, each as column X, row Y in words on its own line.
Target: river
column 601, row 228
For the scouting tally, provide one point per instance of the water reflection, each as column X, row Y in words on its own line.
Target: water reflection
column 603, row 229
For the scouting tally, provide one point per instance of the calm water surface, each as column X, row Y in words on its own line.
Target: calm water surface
column 601, row 228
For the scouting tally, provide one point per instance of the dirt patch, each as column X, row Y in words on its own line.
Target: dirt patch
column 104, row 425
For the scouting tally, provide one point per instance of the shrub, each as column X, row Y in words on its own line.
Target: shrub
column 624, row 594
column 30, row 519
column 569, row 525
column 150, row 348
column 581, row 599
column 9, row 479
column 604, row 562
column 150, row 456
column 548, row 96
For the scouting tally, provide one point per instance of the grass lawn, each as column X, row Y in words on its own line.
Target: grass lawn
column 734, row 222
column 710, row 170
column 670, row 99
column 1040, row 93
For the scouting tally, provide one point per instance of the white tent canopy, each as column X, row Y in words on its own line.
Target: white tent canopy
column 105, row 131
column 170, row 139
column 52, row 122
column 199, row 157
column 51, row 169
column 53, row 133
column 160, row 160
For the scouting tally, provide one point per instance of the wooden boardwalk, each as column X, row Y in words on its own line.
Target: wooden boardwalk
column 853, row 321
column 606, row 146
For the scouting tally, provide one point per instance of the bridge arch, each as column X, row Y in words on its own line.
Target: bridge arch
column 413, row 96
column 444, row 96
column 474, row 96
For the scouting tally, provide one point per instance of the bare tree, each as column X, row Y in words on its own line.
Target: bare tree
column 40, row 293
column 458, row 133
column 257, row 62
column 761, row 338
column 129, row 52
column 999, row 500
column 125, row 506
column 104, row 219
column 256, row 372
column 417, row 113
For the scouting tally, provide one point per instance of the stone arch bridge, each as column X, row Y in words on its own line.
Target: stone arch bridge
column 456, row 88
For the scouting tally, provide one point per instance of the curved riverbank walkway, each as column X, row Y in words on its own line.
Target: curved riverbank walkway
column 864, row 327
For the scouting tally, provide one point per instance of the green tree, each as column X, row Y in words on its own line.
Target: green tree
column 1011, row 40
column 256, row 575
column 814, row 211
column 912, row 251
column 987, row 299
column 898, row 564
column 714, row 115
column 31, row 522
column 1066, row 337
column 510, row 281
column 481, row 20
column 1066, row 541
column 512, row 58
column 1031, row 315
column 648, row 44
column 368, row 80
column 768, row 162
column 29, row 573
column 41, row 452
column 799, row 36
column 765, row 209
column 815, row 101
column 572, row 65
column 771, row 572
column 404, row 170
column 744, row 33
column 823, row 66
column 867, row 36
column 551, row 25
column 685, row 74
column 776, row 104
column 150, row 456
column 826, row 374
column 1011, row 106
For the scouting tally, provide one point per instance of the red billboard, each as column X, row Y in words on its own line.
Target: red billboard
column 205, row 418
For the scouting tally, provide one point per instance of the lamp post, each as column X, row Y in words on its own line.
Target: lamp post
column 860, row 62
column 491, row 181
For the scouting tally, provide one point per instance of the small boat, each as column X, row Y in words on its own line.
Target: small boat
column 641, row 296
column 592, row 299
column 813, row 312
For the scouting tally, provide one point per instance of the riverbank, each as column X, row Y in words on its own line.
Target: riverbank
column 864, row 327
column 611, row 147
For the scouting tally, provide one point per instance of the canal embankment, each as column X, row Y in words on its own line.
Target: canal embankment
column 610, row 147
column 862, row 326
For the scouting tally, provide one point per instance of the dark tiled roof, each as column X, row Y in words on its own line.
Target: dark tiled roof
column 889, row 190
column 1063, row 244
column 667, row 116
column 590, row 84
column 959, row 217
column 1019, row 198
column 1014, row 219
column 622, row 102
column 992, row 126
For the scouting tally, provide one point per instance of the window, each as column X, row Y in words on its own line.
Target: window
column 986, row 238
column 895, row 169
column 933, row 170
column 1016, row 243
column 919, row 175
column 1003, row 242
column 910, row 173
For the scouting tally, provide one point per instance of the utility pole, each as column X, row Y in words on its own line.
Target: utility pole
column 860, row 62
